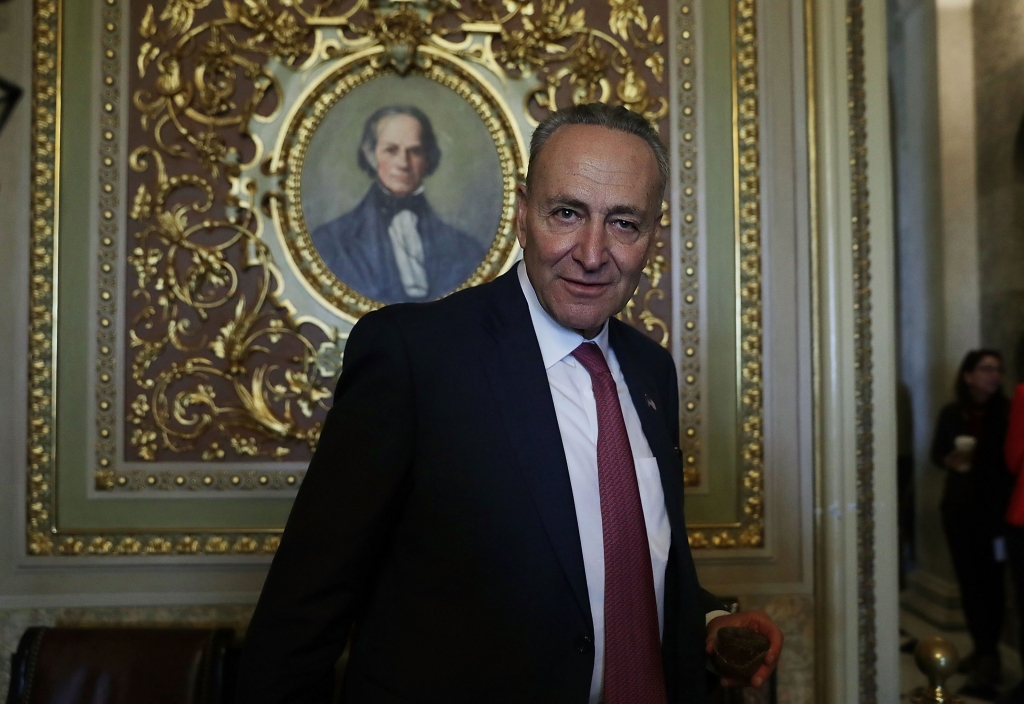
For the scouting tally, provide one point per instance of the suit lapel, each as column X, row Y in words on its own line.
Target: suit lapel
column 515, row 369
column 644, row 396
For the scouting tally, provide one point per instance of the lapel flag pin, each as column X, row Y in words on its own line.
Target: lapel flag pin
column 650, row 402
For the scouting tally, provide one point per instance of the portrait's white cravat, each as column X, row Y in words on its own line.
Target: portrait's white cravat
column 408, row 246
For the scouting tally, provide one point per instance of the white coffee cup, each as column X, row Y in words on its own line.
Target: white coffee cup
column 965, row 444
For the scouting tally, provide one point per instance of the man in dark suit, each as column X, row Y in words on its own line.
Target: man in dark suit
column 494, row 511
column 393, row 247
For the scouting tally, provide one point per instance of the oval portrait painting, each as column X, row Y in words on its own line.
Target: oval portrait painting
column 402, row 189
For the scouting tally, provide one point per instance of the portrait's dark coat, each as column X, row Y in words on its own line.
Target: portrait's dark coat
column 437, row 524
column 357, row 248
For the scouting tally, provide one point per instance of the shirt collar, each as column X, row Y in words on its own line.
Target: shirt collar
column 556, row 342
column 387, row 191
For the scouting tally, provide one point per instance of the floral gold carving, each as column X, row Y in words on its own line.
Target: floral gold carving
column 228, row 370
column 217, row 364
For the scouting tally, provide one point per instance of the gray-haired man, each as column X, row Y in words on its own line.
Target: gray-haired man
column 495, row 510
column 393, row 247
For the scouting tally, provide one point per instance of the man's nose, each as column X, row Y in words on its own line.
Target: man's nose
column 590, row 249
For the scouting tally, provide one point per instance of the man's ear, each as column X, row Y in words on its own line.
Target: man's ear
column 521, row 215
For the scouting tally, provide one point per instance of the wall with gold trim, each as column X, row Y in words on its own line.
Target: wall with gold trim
column 789, row 194
column 191, row 390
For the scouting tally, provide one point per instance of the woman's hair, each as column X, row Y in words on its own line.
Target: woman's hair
column 970, row 363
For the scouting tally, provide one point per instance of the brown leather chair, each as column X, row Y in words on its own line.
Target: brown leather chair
column 122, row 666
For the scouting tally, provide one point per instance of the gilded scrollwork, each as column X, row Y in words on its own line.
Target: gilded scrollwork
column 227, row 367
column 217, row 365
column 221, row 378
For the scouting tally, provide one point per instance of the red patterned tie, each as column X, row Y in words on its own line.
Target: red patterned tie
column 632, row 645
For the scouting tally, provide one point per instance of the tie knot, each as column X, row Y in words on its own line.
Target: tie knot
column 590, row 356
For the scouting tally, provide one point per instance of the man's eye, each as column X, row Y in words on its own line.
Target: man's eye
column 565, row 213
column 626, row 224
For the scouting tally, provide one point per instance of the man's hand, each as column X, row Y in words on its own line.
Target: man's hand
column 759, row 622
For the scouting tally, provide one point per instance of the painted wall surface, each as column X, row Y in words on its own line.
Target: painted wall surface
column 913, row 74
column 999, row 91
column 957, row 82
column 957, row 85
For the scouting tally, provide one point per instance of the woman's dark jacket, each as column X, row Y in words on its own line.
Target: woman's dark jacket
column 981, row 494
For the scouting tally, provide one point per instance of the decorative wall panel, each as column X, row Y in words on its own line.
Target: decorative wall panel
column 235, row 316
column 197, row 162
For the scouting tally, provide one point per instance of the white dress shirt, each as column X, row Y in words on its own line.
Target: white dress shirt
column 576, row 411
column 408, row 246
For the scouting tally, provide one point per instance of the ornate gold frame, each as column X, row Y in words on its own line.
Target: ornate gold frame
column 860, row 218
column 42, row 369
column 287, row 165
column 748, row 531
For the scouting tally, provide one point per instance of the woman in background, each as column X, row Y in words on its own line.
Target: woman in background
column 969, row 443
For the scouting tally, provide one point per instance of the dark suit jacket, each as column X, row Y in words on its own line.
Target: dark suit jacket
column 980, row 495
column 437, row 518
column 357, row 248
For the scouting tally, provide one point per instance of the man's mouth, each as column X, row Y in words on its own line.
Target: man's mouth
column 586, row 288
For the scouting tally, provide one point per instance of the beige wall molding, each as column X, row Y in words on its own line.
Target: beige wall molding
column 959, row 167
column 855, row 335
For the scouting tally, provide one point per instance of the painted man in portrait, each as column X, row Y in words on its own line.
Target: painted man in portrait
column 393, row 247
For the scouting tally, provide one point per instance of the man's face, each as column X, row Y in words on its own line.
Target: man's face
column 401, row 161
column 587, row 223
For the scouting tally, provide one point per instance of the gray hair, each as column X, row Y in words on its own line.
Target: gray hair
column 368, row 144
column 601, row 115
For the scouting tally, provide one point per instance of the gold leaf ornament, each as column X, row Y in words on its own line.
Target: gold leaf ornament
column 632, row 91
column 147, row 28
column 147, row 52
column 141, row 209
column 213, row 452
column 656, row 62
column 329, row 357
column 180, row 14
column 169, row 80
column 140, row 409
column 656, row 34
column 624, row 13
column 204, row 82
column 400, row 33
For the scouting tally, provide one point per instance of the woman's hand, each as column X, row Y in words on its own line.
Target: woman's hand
column 958, row 461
